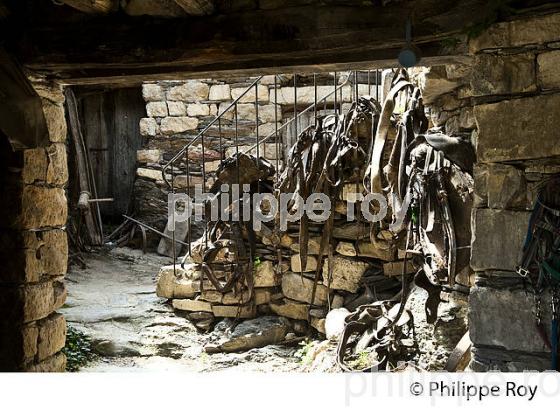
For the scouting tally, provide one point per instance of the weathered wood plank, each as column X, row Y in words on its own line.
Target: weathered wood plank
column 119, row 48
column 93, row 6
column 297, row 36
column 158, row 8
column 197, row 7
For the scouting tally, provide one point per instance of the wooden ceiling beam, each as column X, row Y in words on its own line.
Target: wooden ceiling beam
column 197, row 7
column 112, row 48
column 93, row 6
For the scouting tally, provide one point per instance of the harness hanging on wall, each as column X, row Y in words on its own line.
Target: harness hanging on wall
column 540, row 264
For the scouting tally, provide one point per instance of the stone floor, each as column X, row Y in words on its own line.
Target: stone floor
column 113, row 301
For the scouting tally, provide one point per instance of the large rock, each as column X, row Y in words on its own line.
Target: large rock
column 52, row 336
column 177, row 125
column 346, row 273
column 56, row 121
column 300, row 288
column 267, row 129
column 233, row 298
column 318, row 324
column 45, row 165
column 267, row 150
column 313, row 245
column 310, row 266
column 53, row 364
column 191, row 91
column 335, row 322
column 156, row 109
column 191, row 305
column 497, row 239
column 504, row 318
column 289, row 308
column 148, row 127
column 549, row 75
column 306, row 95
column 234, row 311
column 346, row 249
column 265, row 276
column 145, row 156
column 518, row 33
column 253, row 333
column 177, row 108
column 33, row 301
column 198, row 110
column 518, row 129
column 57, row 170
column 47, row 253
column 433, row 82
column 149, row 173
column 220, row 92
column 351, row 231
column 185, row 284
column 480, row 194
column 212, row 296
column 494, row 75
column 262, row 296
column 506, row 187
column 382, row 250
column 42, row 207
column 152, row 92
column 246, row 111
column 262, row 94
column 266, row 113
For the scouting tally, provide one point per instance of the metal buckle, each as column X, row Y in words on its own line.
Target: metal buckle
column 522, row 271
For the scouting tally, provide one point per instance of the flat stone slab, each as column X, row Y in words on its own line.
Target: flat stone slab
column 523, row 128
column 253, row 333
column 504, row 318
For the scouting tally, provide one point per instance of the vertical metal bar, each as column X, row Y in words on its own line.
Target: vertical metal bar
column 368, row 82
column 220, row 135
column 341, row 99
column 315, row 97
column 276, row 125
column 295, row 106
column 173, row 244
column 236, row 143
column 204, row 188
column 356, row 84
column 335, row 105
column 257, row 119
column 189, row 235
column 377, row 85
column 231, row 187
column 257, row 134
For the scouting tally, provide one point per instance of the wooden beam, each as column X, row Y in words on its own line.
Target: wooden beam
column 197, row 7
column 157, row 8
column 93, row 6
column 21, row 110
column 113, row 48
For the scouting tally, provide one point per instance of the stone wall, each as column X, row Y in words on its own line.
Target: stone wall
column 510, row 97
column 516, row 89
column 507, row 101
column 176, row 111
column 33, row 246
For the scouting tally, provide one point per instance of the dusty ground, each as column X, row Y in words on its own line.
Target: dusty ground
column 113, row 301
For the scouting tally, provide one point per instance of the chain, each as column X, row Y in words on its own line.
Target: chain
column 538, row 311
column 554, row 302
